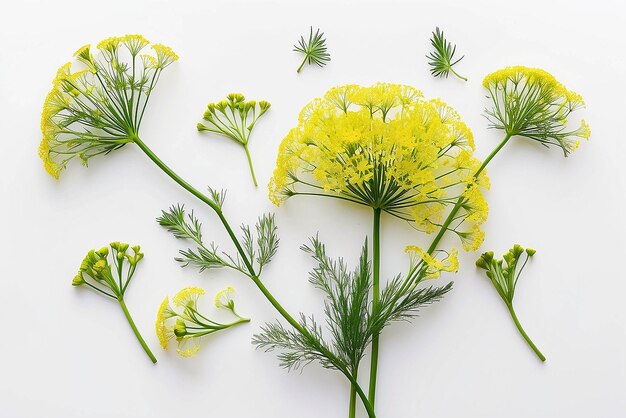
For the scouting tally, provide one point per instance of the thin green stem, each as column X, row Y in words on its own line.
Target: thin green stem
column 521, row 330
column 251, row 272
column 458, row 75
column 375, row 302
column 136, row 331
column 245, row 147
column 301, row 65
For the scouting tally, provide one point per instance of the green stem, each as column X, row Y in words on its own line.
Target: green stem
column 352, row 408
column 375, row 302
column 301, row 65
column 457, row 206
column 245, row 147
column 521, row 330
column 136, row 331
column 458, row 75
column 252, row 273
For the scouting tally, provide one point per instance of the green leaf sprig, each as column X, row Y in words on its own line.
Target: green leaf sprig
column 442, row 58
column 314, row 49
column 504, row 275
column 112, row 280
column 234, row 118
column 352, row 323
column 259, row 246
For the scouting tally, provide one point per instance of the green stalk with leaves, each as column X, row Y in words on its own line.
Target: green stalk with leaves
column 348, row 147
column 100, row 108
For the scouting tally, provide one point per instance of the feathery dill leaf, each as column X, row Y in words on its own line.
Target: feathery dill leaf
column 260, row 248
column 350, row 321
column 442, row 58
column 314, row 50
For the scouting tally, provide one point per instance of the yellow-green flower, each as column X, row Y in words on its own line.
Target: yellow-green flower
column 386, row 147
column 234, row 118
column 98, row 107
column 184, row 323
column 111, row 279
column 531, row 103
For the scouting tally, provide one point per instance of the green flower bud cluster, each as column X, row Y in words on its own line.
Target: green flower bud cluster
column 504, row 274
column 112, row 278
column 234, row 118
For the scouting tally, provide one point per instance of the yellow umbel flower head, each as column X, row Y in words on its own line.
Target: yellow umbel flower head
column 386, row 147
column 531, row 103
column 99, row 107
column 184, row 323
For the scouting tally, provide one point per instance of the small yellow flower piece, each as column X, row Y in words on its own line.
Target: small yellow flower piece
column 531, row 103
column 433, row 266
column 164, row 333
column 186, row 324
column 188, row 297
column 223, row 300
column 165, row 55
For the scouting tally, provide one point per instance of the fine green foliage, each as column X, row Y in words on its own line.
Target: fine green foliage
column 314, row 49
column 234, row 118
column 259, row 248
column 112, row 279
column 442, row 58
column 504, row 274
column 350, row 320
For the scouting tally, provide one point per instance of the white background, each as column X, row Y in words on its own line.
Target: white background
column 67, row 352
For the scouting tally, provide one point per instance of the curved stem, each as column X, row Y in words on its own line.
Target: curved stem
column 375, row 302
column 458, row 75
column 521, row 330
column 251, row 272
column 245, row 147
column 136, row 331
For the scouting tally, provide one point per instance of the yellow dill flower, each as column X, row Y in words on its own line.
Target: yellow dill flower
column 386, row 147
column 188, row 297
column 184, row 323
column 222, row 298
column 164, row 333
column 433, row 267
column 165, row 55
column 531, row 103
column 82, row 116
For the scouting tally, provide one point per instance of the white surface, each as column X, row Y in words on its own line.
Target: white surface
column 67, row 352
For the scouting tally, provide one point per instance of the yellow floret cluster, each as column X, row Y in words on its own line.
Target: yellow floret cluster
column 532, row 103
column 383, row 146
column 99, row 108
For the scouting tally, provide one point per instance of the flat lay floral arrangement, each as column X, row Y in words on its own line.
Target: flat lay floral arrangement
column 386, row 147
